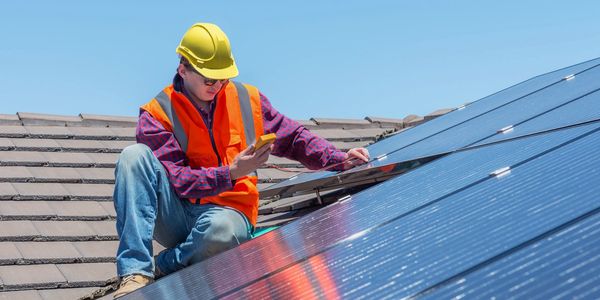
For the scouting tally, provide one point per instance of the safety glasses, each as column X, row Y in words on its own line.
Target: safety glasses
column 208, row 81
column 211, row 82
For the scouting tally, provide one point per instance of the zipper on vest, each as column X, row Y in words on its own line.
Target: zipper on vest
column 212, row 139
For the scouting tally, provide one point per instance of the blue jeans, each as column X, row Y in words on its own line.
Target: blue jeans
column 147, row 207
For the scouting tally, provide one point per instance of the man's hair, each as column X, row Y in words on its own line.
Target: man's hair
column 185, row 62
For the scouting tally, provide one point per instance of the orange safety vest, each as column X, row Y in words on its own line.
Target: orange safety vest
column 237, row 121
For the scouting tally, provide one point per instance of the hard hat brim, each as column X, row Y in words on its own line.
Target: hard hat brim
column 227, row 73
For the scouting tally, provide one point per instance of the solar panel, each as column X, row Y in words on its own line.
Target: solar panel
column 332, row 227
column 471, row 130
column 460, row 233
column 581, row 110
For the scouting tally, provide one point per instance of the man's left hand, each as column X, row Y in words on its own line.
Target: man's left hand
column 355, row 157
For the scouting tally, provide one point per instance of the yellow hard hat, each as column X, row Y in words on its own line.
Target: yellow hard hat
column 207, row 48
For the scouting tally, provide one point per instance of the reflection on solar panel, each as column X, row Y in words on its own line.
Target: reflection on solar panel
column 459, row 225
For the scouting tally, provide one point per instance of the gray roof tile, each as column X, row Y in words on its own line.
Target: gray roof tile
column 89, row 191
column 387, row 122
column 28, row 275
column 94, row 272
column 9, row 251
column 21, row 174
column 77, row 208
column 413, row 120
column 16, row 230
column 335, row 134
column 6, row 144
column 104, row 159
column 26, row 208
column 7, row 191
column 101, row 133
column 310, row 124
column 9, row 119
column 349, row 135
column 61, row 294
column 46, row 119
column 70, row 159
column 109, row 207
column 12, row 131
column 103, row 228
column 35, row 144
column 108, row 121
column 55, row 132
column 64, row 229
column 283, row 162
column 437, row 113
column 100, row 175
column 275, row 175
column 349, row 145
column 40, row 191
column 21, row 295
column 343, row 123
column 43, row 251
column 22, row 158
column 124, row 133
column 117, row 145
column 94, row 249
column 81, row 145
column 367, row 133
column 57, row 174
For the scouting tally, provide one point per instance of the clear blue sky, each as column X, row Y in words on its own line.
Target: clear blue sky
column 341, row 59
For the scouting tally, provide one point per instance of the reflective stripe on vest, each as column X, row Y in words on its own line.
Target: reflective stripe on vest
column 247, row 115
column 178, row 131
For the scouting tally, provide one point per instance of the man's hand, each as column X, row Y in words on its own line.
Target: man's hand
column 355, row 157
column 248, row 161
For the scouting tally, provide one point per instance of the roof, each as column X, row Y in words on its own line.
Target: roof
column 496, row 199
column 57, row 220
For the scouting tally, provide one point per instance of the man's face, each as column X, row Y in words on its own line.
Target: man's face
column 198, row 86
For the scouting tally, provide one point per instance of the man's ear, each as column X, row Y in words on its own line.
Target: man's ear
column 182, row 71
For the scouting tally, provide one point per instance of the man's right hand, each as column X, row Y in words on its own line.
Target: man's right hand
column 248, row 161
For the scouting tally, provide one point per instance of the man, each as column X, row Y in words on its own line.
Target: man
column 190, row 182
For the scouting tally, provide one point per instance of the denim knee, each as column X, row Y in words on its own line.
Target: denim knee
column 134, row 173
column 220, row 236
column 133, row 154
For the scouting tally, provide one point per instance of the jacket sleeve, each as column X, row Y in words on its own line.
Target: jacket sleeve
column 187, row 182
column 296, row 142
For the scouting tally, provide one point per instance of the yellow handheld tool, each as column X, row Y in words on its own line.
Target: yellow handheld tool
column 264, row 140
